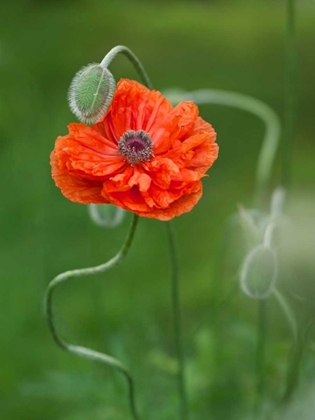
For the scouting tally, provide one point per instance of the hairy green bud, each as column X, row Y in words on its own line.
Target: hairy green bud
column 259, row 272
column 91, row 92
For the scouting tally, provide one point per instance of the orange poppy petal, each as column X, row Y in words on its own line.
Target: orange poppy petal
column 183, row 205
column 85, row 152
column 176, row 125
column 131, row 200
column 76, row 189
column 207, row 153
column 161, row 171
column 164, row 198
column 202, row 125
column 88, row 168
column 134, row 107
column 89, row 137
column 204, row 157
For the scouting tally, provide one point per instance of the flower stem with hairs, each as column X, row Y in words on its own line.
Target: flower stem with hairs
column 83, row 351
column 121, row 49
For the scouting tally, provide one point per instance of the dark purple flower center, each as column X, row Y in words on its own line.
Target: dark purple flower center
column 136, row 146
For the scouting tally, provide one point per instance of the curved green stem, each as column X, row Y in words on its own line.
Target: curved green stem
column 82, row 351
column 290, row 94
column 121, row 49
column 177, row 322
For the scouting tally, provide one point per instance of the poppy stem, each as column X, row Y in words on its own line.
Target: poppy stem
column 288, row 313
column 290, row 92
column 82, row 351
column 261, row 351
column 175, row 292
column 294, row 368
column 121, row 49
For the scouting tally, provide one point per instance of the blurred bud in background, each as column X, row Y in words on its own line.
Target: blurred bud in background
column 259, row 269
column 297, row 252
column 254, row 239
column 259, row 272
column 106, row 215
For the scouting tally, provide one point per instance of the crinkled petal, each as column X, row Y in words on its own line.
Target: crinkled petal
column 183, row 205
column 76, row 189
column 134, row 107
column 175, row 126
column 84, row 152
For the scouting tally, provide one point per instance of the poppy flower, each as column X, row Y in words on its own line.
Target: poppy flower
column 143, row 155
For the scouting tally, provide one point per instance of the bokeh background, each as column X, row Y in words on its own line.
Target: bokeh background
column 223, row 44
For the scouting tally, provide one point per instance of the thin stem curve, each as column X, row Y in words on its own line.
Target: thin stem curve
column 83, row 351
column 121, row 49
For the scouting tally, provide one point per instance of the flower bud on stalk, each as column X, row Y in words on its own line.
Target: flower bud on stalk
column 106, row 215
column 259, row 272
column 91, row 92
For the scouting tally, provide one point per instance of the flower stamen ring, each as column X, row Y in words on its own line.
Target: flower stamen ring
column 136, row 146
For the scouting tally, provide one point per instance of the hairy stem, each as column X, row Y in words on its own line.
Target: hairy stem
column 121, row 49
column 82, row 351
column 175, row 292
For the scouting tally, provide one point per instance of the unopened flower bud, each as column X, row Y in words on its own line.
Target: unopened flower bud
column 106, row 215
column 91, row 92
column 259, row 272
column 277, row 202
column 249, row 222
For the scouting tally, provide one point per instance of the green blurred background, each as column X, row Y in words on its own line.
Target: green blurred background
column 231, row 45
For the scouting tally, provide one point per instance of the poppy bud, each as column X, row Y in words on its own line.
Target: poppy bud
column 250, row 222
column 278, row 202
column 91, row 92
column 259, row 272
column 106, row 215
